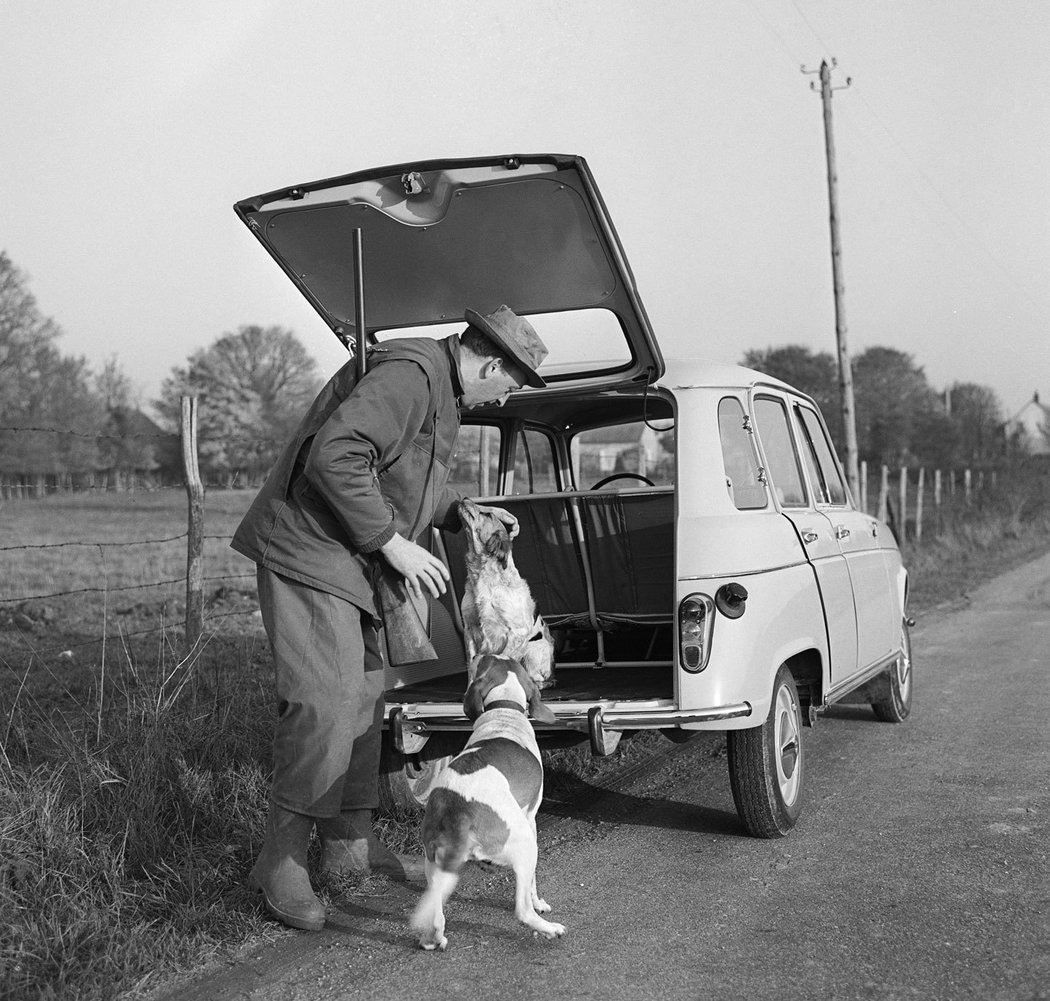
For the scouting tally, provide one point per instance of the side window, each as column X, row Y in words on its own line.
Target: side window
column 534, row 464
column 744, row 478
column 475, row 465
column 785, row 474
column 820, row 459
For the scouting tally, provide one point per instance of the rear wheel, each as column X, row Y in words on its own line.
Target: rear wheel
column 405, row 780
column 893, row 703
column 766, row 764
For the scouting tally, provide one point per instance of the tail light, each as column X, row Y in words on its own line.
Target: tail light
column 695, row 622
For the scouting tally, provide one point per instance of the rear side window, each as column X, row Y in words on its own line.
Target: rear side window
column 475, row 466
column 745, row 479
column 820, row 459
column 785, row 473
column 534, row 464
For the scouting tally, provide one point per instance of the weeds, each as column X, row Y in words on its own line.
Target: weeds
column 125, row 854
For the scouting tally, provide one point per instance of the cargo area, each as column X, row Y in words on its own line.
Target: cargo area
column 601, row 569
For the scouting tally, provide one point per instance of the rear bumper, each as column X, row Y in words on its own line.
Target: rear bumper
column 410, row 726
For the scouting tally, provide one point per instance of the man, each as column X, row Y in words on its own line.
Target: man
column 364, row 473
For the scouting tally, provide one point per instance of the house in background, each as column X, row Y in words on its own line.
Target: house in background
column 1031, row 426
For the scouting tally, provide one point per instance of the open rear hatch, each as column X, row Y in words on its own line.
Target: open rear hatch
column 439, row 236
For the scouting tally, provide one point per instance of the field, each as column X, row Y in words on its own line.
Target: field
column 133, row 774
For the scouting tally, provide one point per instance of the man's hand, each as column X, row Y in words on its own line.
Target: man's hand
column 419, row 568
column 505, row 516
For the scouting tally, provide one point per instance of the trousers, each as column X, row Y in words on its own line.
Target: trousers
column 328, row 674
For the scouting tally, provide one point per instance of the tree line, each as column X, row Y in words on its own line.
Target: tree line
column 901, row 419
column 253, row 386
column 66, row 426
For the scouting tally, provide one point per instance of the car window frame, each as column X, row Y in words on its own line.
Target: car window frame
column 796, row 451
column 821, row 494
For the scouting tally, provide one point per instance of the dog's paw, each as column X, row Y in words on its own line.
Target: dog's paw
column 550, row 929
column 434, row 944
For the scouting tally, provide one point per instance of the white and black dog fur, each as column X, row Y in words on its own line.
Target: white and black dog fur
column 499, row 613
column 483, row 806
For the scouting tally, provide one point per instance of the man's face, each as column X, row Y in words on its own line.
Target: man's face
column 497, row 382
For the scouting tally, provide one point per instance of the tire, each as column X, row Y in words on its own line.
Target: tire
column 405, row 780
column 767, row 764
column 893, row 704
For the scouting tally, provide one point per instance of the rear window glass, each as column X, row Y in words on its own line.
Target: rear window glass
column 744, row 477
column 579, row 340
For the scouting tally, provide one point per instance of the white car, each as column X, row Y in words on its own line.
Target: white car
column 686, row 528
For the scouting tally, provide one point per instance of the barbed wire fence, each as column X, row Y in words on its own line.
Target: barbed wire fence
column 14, row 607
column 908, row 498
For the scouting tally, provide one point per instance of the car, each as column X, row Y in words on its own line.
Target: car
column 685, row 525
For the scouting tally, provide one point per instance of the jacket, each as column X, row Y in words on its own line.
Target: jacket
column 369, row 459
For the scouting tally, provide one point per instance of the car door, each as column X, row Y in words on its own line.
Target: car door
column 816, row 533
column 856, row 535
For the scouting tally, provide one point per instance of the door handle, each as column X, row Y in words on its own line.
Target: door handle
column 841, row 532
column 808, row 536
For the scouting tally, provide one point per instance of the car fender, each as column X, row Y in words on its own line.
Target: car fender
column 783, row 618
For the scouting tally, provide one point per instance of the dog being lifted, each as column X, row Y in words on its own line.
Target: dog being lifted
column 483, row 805
column 499, row 614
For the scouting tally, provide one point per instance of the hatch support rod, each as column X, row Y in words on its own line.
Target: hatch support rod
column 359, row 303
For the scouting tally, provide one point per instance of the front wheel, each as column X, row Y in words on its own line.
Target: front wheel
column 893, row 703
column 767, row 766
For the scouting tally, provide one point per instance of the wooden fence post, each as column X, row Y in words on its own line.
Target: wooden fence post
column 967, row 486
column 884, row 495
column 903, row 485
column 194, row 527
column 918, row 504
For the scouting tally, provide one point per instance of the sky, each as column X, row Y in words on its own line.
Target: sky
column 129, row 129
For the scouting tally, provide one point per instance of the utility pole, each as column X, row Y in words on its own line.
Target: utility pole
column 849, row 418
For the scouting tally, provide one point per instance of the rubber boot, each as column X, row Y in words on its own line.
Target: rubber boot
column 351, row 848
column 280, row 871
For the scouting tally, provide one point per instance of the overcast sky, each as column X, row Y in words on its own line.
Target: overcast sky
column 128, row 129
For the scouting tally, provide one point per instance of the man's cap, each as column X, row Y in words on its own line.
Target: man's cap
column 515, row 336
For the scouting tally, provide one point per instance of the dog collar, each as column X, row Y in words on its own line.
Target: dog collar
column 505, row 704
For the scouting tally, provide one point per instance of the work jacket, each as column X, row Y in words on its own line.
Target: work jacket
column 369, row 459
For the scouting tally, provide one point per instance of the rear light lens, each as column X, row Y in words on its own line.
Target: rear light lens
column 695, row 622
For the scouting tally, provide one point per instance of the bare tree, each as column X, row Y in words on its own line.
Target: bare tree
column 253, row 387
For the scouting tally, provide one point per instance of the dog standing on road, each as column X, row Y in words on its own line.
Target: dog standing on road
column 499, row 613
column 483, row 806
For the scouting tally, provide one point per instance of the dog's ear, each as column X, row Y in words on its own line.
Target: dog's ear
column 486, row 676
column 537, row 710
column 498, row 544
column 474, row 700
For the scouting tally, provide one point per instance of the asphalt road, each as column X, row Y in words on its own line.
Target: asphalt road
column 920, row 867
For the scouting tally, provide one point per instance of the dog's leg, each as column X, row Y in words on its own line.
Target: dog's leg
column 428, row 921
column 538, row 903
column 524, row 864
